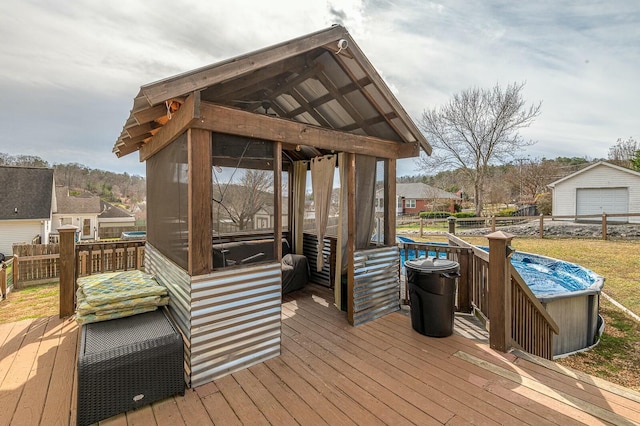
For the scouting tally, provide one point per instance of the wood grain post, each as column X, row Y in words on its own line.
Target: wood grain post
column 67, row 269
column 604, row 226
column 493, row 223
column 452, row 224
column 541, row 226
column 421, row 227
column 499, row 291
column 464, row 282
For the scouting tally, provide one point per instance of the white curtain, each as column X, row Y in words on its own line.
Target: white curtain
column 299, row 190
column 365, row 199
column 322, row 169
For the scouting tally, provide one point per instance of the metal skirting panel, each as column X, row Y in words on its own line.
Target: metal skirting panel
column 178, row 284
column 376, row 288
column 235, row 320
column 310, row 249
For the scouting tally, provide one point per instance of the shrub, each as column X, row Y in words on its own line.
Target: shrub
column 506, row 212
column 434, row 215
column 461, row 215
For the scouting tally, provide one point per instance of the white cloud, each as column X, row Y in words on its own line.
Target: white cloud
column 60, row 60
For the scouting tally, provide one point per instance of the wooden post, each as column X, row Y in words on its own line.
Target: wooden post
column 391, row 202
column 3, row 280
column 351, row 231
column 199, row 202
column 541, row 226
column 67, row 269
column 604, row 226
column 493, row 223
column 421, row 226
column 499, row 291
column 464, row 282
column 452, row 224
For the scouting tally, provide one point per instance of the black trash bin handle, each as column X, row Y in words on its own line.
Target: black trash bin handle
column 448, row 275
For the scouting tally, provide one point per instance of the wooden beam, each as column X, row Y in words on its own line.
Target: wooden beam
column 179, row 123
column 199, row 201
column 243, row 65
column 223, row 119
column 351, row 232
column 391, row 203
column 384, row 90
column 277, row 200
column 150, row 114
column 240, row 87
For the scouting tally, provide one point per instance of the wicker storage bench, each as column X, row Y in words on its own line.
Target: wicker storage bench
column 126, row 363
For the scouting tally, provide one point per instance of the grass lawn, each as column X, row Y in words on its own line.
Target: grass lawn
column 31, row 302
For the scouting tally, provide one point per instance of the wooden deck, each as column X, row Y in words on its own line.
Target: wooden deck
column 329, row 373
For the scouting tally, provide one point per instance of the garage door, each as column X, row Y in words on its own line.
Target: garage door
column 603, row 200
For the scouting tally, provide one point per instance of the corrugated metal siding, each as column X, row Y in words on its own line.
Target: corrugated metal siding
column 310, row 249
column 19, row 231
column 235, row 320
column 178, row 284
column 376, row 289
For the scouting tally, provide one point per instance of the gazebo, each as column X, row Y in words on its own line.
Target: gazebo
column 247, row 135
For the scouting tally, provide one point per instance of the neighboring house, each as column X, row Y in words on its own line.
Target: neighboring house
column 414, row 198
column 27, row 202
column 78, row 210
column 599, row 188
column 114, row 217
column 264, row 218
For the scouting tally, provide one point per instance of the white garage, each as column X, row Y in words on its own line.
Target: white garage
column 600, row 188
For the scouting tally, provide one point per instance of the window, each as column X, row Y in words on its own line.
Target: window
column 410, row 203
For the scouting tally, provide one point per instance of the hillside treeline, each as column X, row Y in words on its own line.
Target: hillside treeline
column 117, row 188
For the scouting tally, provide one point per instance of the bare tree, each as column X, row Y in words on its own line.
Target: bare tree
column 625, row 152
column 240, row 202
column 477, row 128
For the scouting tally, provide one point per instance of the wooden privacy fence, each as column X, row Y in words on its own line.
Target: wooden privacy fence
column 35, row 263
column 40, row 263
column 491, row 287
column 7, row 271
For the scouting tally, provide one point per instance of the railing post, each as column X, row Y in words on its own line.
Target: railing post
column 541, row 226
column 499, row 291
column 493, row 223
column 452, row 224
column 3, row 280
column 67, row 269
column 604, row 226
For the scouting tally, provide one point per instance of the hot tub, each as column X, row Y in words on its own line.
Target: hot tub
column 570, row 294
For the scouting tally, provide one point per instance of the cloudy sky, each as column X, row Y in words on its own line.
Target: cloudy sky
column 69, row 69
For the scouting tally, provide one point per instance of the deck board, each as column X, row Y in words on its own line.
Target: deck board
column 379, row 373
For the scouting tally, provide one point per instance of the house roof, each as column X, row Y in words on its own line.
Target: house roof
column 591, row 167
column 420, row 191
column 322, row 79
column 109, row 211
column 76, row 204
column 26, row 193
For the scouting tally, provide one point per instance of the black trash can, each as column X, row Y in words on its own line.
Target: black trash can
column 432, row 292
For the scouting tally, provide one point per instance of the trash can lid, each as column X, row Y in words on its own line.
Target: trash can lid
column 432, row 264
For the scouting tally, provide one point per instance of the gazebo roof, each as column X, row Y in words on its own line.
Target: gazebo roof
column 322, row 80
